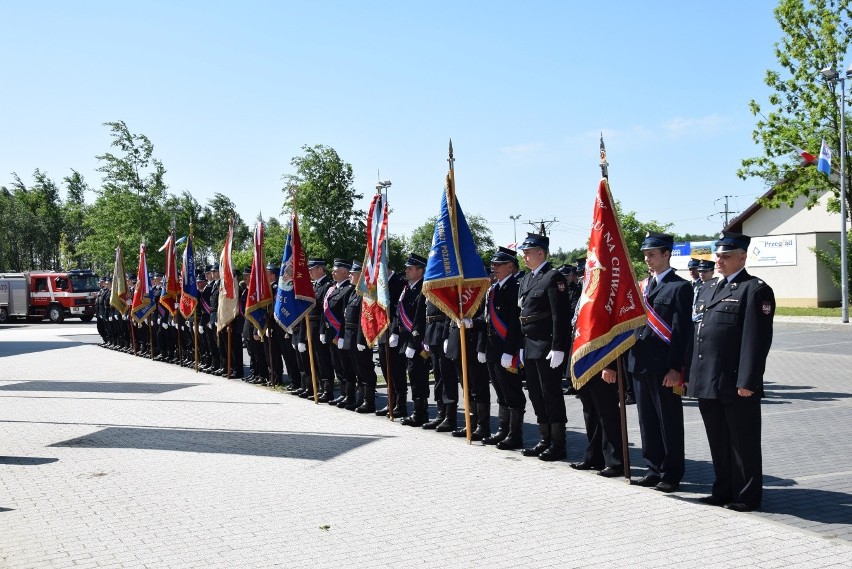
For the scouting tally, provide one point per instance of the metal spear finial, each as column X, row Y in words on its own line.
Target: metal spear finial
column 604, row 163
column 451, row 160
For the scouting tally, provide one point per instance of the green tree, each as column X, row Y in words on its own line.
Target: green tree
column 130, row 204
column 322, row 187
column 803, row 109
column 73, row 215
column 420, row 241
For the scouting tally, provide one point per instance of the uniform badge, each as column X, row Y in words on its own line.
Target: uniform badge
column 560, row 286
column 767, row 308
column 734, row 286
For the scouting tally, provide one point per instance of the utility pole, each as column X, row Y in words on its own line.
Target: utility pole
column 540, row 225
column 726, row 212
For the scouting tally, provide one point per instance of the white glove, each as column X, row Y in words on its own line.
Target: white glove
column 393, row 341
column 480, row 357
column 322, row 338
column 302, row 347
column 361, row 347
column 159, row 320
column 201, row 329
column 340, row 343
column 409, row 352
column 209, row 325
column 165, row 325
column 506, row 360
column 556, row 358
column 446, row 343
column 467, row 322
column 521, row 356
column 426, row 347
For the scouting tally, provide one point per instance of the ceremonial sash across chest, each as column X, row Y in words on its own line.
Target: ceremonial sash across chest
column 404, row 318
column 500, row 327
column 329, row 315
column 659, row 326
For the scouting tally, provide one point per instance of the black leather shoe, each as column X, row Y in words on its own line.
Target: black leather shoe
column 648, row 481
column 741, row 507
column 629, row 400
column 712, row 500
column 584, row 466
column 611, row 472
column 667, row 487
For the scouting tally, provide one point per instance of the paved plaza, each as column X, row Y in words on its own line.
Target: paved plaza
column 110, row 460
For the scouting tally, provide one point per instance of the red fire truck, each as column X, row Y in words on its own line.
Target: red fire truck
column 49, row 294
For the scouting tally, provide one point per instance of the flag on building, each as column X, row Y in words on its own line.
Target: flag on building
column 373, row 283
column 824, row 163
column 295, row 295
column 171, row 284
column 143, row 298
column 455, row 279
column 259, row 290
column 189, row 289
column 118, row 291
column 229, row 294
column 610, row 306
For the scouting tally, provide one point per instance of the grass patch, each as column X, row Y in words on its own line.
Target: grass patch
column 801, row 311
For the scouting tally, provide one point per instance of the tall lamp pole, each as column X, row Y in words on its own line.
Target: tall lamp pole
column 515, row 219
column 833, row 76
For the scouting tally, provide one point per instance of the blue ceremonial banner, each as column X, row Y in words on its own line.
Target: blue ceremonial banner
column 455, row 279
column 295, row 296
column 189, row 290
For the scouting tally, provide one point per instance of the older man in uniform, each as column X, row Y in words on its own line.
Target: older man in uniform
column 657, row 362
column 501, row 346
column 732, row 341
column 334, row 308
column 407, row 336
column 543, row 299
column 322, row 354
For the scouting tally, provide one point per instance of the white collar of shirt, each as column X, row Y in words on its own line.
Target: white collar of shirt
column 733, row 276
column 662, row 275
column 501, row 283
column 538, row 269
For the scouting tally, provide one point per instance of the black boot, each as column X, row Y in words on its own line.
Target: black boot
column 349, row 403
column 503, row 431
column 340, row 398
column 543, row 444
column 450, row 419
column 483, row 424
column 418, row 417
column 462, row 432
column 515, row 438
column 328, row 391
column 556, row 450
column 439, row 418
column 369, row 404
column 400, row 408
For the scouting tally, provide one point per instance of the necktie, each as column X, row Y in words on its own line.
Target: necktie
column 652, row 285
column 720, row 285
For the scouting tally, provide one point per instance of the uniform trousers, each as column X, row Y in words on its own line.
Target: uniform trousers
column 507, row 386
column 733, row 433
column 444, row 372
column 545, row 386
column 603, row 422
column 660, row 413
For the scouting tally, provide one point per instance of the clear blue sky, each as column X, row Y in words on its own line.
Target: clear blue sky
column 228, row 92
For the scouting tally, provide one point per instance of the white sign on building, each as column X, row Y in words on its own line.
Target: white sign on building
column 772, row 251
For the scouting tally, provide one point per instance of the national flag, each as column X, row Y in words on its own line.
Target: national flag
column 610, row 306
column 373, row 283
column 171, row 284
column 455, row 279
column 229, row 295
column 189, row 289
column 824, row 163
column 259, row 291
column 118, row 291
column 143, row 298
column 808, row 159
column 295, row 295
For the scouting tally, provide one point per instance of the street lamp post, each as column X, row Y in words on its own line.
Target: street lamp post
column 515, row 219
column 833, row 76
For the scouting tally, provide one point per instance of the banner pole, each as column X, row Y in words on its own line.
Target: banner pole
column 195, row 334
column 624, row 450
column 228, row 370
column 311, row 356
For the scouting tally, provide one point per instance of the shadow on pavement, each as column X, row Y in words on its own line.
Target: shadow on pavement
column 19, row 348
column 95, row 386
column 278, row 445
column 823, row 506
column 26, row 460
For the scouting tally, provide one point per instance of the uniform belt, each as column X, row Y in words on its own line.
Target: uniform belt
column 436, row 318
column 351, row 327
column 534, row 317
